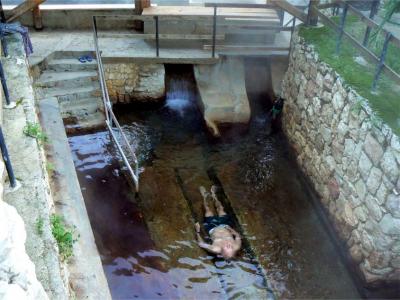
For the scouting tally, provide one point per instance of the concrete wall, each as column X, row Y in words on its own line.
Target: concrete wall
column 351, row 158
column 127, row 82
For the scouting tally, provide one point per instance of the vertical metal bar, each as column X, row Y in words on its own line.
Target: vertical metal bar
column 2, row 15
column 214, row 30
column 341, row 28
column 157, row 37
column 373, row 12
column 281, row 14
column 4, row 84
column 7, row 162
column 312, row 17
column 381, row 60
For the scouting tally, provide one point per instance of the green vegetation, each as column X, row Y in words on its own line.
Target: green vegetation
column 386, row 100
column 39, row 226
column 50, row 168
column 64, row 236
column 33, row 130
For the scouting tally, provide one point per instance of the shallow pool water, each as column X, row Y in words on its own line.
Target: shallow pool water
column 147, row 242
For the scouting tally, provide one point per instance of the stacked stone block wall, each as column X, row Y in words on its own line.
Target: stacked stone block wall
column 351, row 157
column 130, row 82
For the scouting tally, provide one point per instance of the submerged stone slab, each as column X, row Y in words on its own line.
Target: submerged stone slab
column 223, row 97
column 171, row 226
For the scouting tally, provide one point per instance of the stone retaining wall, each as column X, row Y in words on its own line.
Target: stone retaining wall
column 351, row 158
column 129, row 82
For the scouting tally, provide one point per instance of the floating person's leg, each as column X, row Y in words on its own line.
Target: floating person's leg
column 205, row 194
column 218, row 205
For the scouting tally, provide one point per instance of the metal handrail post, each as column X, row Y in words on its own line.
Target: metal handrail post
column 2, row 15
column 4, row 84
column 373, row 12
column 6, row 159
column 214, row 30
column 381, row 60
column 111, row 119
column 157, row 37
column 341, row 27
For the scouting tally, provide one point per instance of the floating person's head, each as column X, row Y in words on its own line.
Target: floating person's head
column 228, row 251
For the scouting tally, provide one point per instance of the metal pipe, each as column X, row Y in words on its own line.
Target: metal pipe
column 100, row 67
column 125, row 159
column 157, row 37
column 4, row 84
column 6, row 159
column 2, row 15
column 374, row 10
column 381, row 60
column 214, row 30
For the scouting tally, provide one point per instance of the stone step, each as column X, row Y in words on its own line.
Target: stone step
column 71, row 64
column 66, row 79
column 81, row 107
column 90, row 122
column 72, row 54
column 72, row 94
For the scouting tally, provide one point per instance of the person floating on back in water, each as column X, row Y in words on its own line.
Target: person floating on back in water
column 225, row 240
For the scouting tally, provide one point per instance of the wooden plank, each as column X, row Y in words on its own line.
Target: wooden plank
column 328, row 5
column 162, row 36
column 366, row 52
column 23, row 8
column 204, row 11
column 240, row 5
column 247, row 47
column 291, row 9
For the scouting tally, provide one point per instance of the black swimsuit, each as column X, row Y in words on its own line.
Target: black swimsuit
column 210, row 223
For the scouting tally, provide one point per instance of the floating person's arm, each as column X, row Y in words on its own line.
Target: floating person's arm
column 204, row 245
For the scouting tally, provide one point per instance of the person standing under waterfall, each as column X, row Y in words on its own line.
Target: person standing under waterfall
column 225, row 240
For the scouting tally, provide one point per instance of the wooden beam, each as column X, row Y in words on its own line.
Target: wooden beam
column 23, row 8
column 247, row 47
column 291, row 9
column 162, row 36
column 37, row 18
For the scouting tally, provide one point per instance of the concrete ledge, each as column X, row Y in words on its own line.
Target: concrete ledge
column 87, row 277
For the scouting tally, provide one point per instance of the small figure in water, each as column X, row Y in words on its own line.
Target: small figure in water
column 274, row 123
column 277, row 108
column 225, row 240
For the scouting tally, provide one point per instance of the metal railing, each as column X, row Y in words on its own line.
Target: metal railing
column 111, row 120
column 213, row 36
column 379, row 60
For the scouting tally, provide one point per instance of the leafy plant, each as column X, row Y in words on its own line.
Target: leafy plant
column 34, row 130
column 39, row 225
column 64, row 236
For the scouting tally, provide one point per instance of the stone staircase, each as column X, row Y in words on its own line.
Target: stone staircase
column 76, row 87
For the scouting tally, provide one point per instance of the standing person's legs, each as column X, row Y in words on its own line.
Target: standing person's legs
column 218, row 205
column 207, row 209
